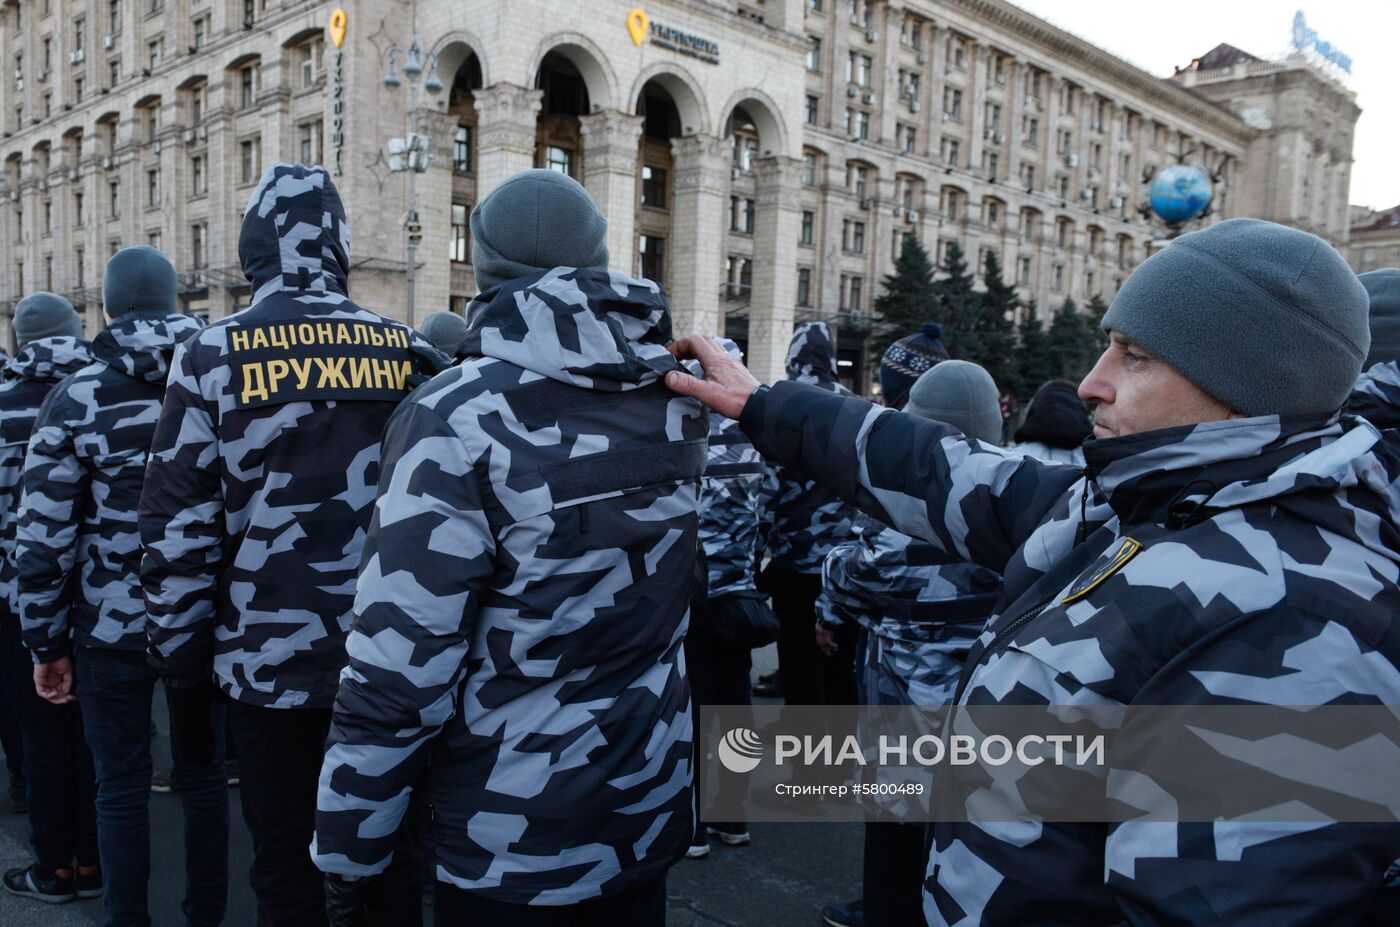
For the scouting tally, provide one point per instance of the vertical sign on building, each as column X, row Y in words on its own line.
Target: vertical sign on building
column 337, row 30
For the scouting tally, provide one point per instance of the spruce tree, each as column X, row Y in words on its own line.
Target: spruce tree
column 1070, row 343
column 1096, row 308
column 1034, row 364
column 997, row 335
column 959, row 307
column 909, row 298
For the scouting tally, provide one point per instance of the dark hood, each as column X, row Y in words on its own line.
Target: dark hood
column 1056, row 417
column 49, row 360
column 295, row 237
column 1376, row 396
column 141, row 345
column 811, row 355
column 589, row 328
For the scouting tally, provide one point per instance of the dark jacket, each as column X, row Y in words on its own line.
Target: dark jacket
column 1269, row 561
column 29, row 377
column 1056, row 418
column 803, row 520
column 730, row 508
column 522, row 603
column 266, row 459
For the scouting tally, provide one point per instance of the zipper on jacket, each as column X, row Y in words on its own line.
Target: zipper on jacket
column 966, row 678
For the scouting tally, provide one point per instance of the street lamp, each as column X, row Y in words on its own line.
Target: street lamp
column 412, row 152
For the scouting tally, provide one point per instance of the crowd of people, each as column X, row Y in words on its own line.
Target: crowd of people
column 453, row 597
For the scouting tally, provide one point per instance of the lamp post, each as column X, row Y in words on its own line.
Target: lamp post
column 412, row 153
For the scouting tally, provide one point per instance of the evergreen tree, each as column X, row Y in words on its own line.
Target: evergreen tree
column 1070, row 343
column 997, row 335
column 1034, row 364
column 910, row 296
column 1096, row 308
column 959, row 306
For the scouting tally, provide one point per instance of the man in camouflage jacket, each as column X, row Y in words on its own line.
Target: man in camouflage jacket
column 61, row 782
column 803, row 521
column 523, row 599
column 79, row 555
column 1213, row 552
column 262, row 478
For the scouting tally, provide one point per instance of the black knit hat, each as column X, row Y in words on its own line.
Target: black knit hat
column 907, row 359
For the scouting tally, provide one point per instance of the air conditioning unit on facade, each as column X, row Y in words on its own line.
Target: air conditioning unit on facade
column 898, row 211
column 870, row 96
column 107, row 163
column 189, row 136
column 43, row 186
column 108, row 42
column 73, row 175
column 871, row 35
column 43, row 75
column 853, row 91
column 1072, row 160
column 915, row 106
column 912, row 217
column 77, row 57
column 14, row 196
column 867, row 203
column 1116, row 202
column 923, row 58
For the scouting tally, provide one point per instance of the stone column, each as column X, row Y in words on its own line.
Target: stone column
column 701, row 173
column 505, row 133
column 610, row 166
column 776, row 227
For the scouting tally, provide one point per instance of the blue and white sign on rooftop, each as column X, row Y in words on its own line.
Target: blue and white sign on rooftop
column 1305, row 38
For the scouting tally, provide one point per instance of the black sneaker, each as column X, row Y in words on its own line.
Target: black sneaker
column 231, row 771
column 19, row 795
column 33, row 883
column 731, row 833
column 88, row 884
column 163, row 781
column 850, row 914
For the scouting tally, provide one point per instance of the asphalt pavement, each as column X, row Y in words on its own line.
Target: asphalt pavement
column 780, row 880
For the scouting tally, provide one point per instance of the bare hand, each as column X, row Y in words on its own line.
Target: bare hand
column 727, row 384
column 54, row 681
column 826, row 639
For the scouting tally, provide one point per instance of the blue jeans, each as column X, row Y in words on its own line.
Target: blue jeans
column 115, row 688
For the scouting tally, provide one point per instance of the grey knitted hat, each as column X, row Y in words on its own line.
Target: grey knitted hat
column 961, row 394
column 536, row 221
column 1265, row 318
column 46, row 315
column 139, row 279
column 445, row 330
column 1383, row 286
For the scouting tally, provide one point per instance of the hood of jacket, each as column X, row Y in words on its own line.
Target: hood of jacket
column 1376, row 396
column 49, row 359
column 1332, row 472
column 141, row 345
column 1056, row 417
column 590, row 328
column 811, row 356
column 294, row 236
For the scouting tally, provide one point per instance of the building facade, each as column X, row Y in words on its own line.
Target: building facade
column 1375, row 239
column 762, row 159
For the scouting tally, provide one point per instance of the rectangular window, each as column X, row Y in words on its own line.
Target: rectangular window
column 201, row 28
column 153, row 187
column 197, row 246
column 310, row 142
column 809, row 222
column 77, row 90
column 306, row 62
column 809, row 169
column 48, row 273
column 114, row 74
column 1030, row 131
column 907, row 138
column 856, row 180
column 862, row 125
column 813, row 104
column 948, row 151
column 653, row 186
column 250, row 160
column 113, row 199
column 1023, row 271
column 153, row 239
column 1028, row 176
column 78, row 255
column 197, row 186
column 78, row 209
column 814, row 53
column 992, row 214
column 78, row 30
column 952, row 103
column 461, row 229
column 651, row 257
column 462, row 150
column 853, row 293
column 559, row 159
column 857, row 237
column 114, row 16
column 804, row 286
column 1057, row 278
column 247, row 81
column 48, row 218
column 152, row 122
column 153, row 54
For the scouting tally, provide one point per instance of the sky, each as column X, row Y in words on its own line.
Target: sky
column 1159, row 36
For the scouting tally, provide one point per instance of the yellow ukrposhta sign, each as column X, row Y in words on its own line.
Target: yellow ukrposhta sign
column 637, row 25
column 338, row 20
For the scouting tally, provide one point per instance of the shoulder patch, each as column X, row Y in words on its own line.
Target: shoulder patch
column 1101, row 569
column 340, row 359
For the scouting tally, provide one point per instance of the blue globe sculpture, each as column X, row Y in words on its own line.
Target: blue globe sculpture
column 1179, row 193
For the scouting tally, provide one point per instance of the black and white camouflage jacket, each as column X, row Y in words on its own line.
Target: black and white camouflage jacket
column 78, row 547
column 730, row 507
column 803, row 520
column 522, row 603
column 29, row 377
column 266, row 460
column 1266, row 574
column 1376, row 396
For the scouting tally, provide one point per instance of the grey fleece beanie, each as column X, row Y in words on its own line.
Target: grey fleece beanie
column 46, row 315
column 445, row 330
column 536, row 221
column 961, row 394
column 1383, row 286
column 139, row 279
column 1265, row 318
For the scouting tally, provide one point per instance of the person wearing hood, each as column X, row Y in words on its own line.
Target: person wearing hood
column 525, row 593
column 61, row 785
column 1056, row 426
column 78, row 554
column 1376, row 396
column 803, row 521
column 445, row 331
column 1231, row 540
column 260, row 489
column 919, row 611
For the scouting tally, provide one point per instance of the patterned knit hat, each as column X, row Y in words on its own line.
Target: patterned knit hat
column 907, row 359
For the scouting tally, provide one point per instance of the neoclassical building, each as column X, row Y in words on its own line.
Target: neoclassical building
column 762, row 159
